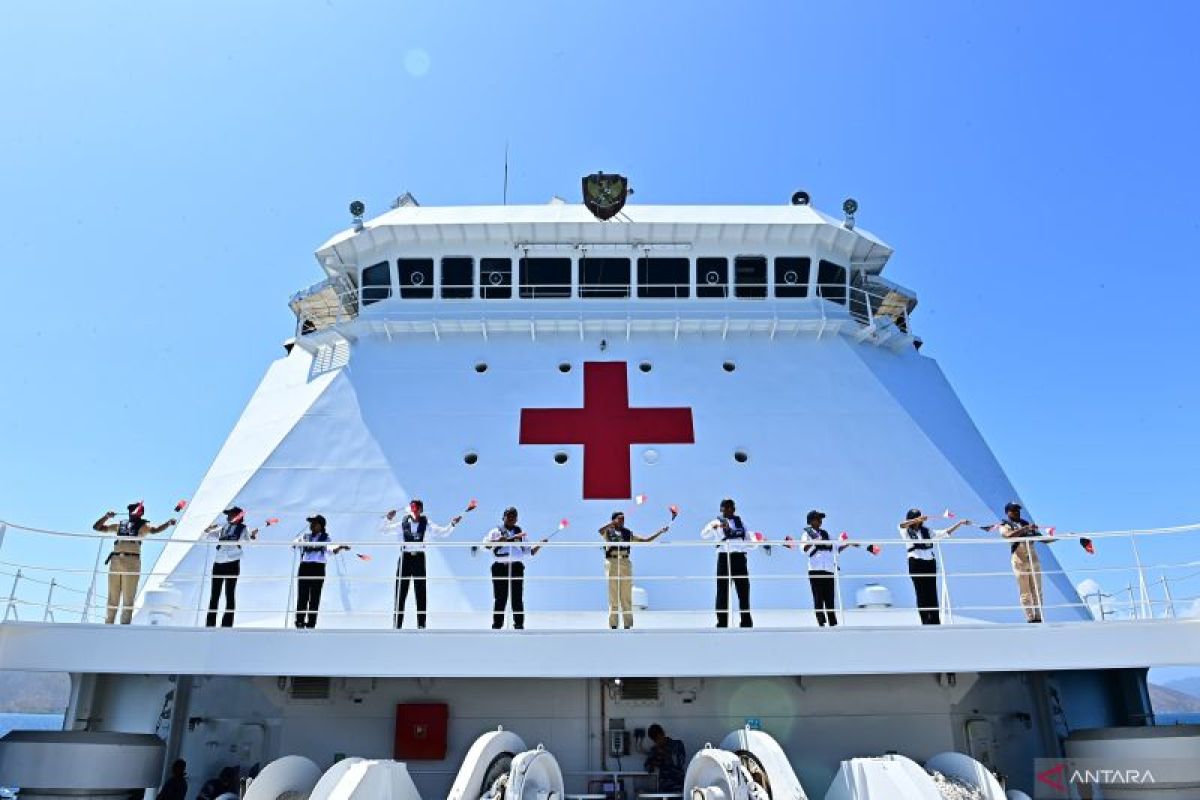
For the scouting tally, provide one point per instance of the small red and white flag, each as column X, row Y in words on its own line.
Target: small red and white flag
column 674, row 509
column 139, row 509
column 758, row 536
column 238, row 518
column 180, row 506
column 1087, row 545
column 363, row 556
column 563, row 523
column 874, row 549
column 845, row 537
column 1050, row 531
column 471, row 506
column 639, row 499
column 948, row 514
column 272, row 521
column 789, row 542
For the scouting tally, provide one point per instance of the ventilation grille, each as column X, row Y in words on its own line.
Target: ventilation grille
column 309, row 689
column 639, row 690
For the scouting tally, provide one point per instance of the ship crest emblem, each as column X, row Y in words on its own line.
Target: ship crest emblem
column 604, row 194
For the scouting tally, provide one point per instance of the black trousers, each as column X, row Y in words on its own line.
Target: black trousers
column 508, row 580
column 410, row 569
column 732, row 567
column 923, row 572
column 223, row 576
column 310, row 580
column 824, row 596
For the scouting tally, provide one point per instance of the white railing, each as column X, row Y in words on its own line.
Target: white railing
column 1136, row 575
column 820, row 302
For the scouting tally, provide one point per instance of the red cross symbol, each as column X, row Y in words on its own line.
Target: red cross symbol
column 606, row 427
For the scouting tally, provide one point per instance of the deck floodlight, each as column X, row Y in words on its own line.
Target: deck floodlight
column 801, row 198
column 849, row 207
column 357, row 209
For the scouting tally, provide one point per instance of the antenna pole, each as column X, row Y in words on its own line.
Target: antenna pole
column 506, row 173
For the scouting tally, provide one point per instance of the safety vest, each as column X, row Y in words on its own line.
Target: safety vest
column 1019, row 523
column 314, row 537
column 231, row 532
column 919, row 541
column 411, row 534
column 130, row 527
column 733, row 529
column 503, row 550
column 617, row 535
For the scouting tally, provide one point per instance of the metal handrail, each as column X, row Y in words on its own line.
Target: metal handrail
column 1142, row 603
column 382, row 302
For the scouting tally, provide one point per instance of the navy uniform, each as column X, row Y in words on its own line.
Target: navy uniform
column 414, row 527
column 735, row 543
column 315, row 549
column 227, row 564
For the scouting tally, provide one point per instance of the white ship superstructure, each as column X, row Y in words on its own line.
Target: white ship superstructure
column 538, row 357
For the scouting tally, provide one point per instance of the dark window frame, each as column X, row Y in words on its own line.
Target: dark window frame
column 410, row 290
column 803, row 270
column 552, row 290
column 374, row 292
column 674, row 289
column 753, row 290
column 459, row 290
column 610, row 291
column 832, row 291
column 495, row 291
column 706, row 264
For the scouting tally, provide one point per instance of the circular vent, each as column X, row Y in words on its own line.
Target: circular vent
column 481, row 367
column 561, row 457
column 729, row 366
column 564, row 367
column 471, row 459
column 740, row 456
column 645, row 366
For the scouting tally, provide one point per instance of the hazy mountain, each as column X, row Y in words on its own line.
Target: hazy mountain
column 34, row 692
column 1169, row 700
column 1186, row 685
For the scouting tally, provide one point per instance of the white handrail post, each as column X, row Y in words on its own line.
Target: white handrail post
column 48, row 615
column 1145, row 592
column 1170, row 609
column 837, row 585
column 91, row 592
column 200, row 583
column 287, row 611
column 11, row 608
column 947, row 609
column 1133, row 612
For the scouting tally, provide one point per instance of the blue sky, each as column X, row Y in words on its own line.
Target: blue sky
column 168, row 168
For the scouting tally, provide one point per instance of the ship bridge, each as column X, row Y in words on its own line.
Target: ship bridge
column 556, row 268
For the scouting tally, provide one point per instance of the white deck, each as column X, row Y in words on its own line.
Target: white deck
column 847, row 650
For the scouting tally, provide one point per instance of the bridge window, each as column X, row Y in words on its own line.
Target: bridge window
column 750, row 276
column 663, row 277
column 712, row 277
column 603, row 277
column 458, row 278
column 376, row 283
column 791, row 276
column 495, row 278
column 544, row 278
column 416, row 278
column 831, row 281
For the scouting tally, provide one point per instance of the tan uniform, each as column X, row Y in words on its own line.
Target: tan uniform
column 124, row 571
column 1028, row 569
column 619, row 569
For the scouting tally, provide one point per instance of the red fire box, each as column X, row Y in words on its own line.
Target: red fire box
column 421, row 731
